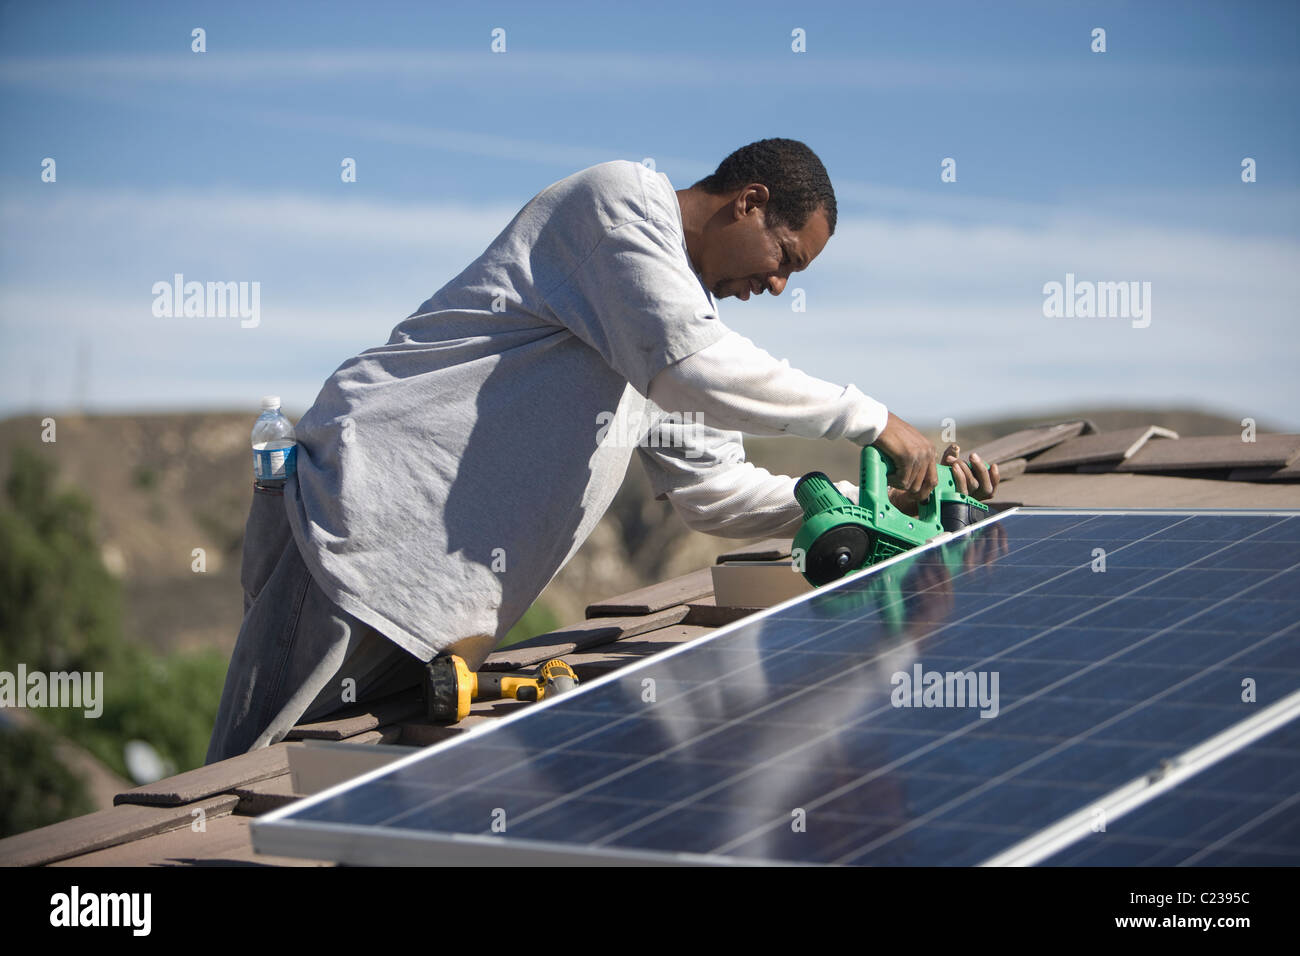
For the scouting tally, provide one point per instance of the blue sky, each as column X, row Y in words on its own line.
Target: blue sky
column 224, row 166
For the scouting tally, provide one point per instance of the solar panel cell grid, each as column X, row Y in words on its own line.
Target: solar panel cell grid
column 1242, row 811
column 790, row 738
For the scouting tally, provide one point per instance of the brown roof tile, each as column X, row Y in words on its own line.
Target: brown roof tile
column 603, row 660
column 593, row 632
column 656, row 597
column 1216, row 451
column 1029, row 440
column 1010, row 468
column 1121, row 490
column 706, row 613
column 772, row 549
column 1289, row 472
column 220, row 777
column 263, row 796
column 224, row 841
column 105, row 828
column 1113, row 446
column 362, row 718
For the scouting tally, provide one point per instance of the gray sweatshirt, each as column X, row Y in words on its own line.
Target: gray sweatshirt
column 444, row 478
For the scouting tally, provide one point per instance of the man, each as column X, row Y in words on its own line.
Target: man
column 444, row 478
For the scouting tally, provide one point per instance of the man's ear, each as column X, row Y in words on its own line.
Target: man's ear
column 752, row 197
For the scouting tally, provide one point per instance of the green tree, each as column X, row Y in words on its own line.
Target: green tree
column 538, row 619
column 61, row 610
column 36, row 789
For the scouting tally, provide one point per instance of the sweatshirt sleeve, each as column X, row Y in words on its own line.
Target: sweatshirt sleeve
column 744, row 501
column 703, row 473
column 733, row 384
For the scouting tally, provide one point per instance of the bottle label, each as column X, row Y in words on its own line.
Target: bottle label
column 271, row 464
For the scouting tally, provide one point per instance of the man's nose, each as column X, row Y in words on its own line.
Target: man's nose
column 775, row 285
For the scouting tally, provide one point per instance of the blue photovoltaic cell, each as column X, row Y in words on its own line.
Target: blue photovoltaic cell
column 779, row 740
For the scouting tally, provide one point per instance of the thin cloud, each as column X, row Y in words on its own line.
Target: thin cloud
column 939, row 318
column 574, row 69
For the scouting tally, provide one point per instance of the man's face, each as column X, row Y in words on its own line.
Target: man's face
column 741, row 256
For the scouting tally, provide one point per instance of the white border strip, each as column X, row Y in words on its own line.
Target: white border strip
column 1144, row 789
column 373, row 845
column 1234, row 512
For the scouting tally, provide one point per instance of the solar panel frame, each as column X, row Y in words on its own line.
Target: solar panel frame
column 280, row 833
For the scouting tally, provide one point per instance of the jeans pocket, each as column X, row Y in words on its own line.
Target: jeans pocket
column 295, row 601
column 266, row 533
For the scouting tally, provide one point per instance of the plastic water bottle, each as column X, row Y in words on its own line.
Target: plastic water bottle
column 275, row 446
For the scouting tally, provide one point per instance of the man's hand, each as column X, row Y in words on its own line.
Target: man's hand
column 904, row 502
column 978, row 480
column 913, row 456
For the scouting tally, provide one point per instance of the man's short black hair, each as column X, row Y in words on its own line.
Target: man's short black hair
column 795, row 179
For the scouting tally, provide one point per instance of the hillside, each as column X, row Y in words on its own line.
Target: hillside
column 164, row 485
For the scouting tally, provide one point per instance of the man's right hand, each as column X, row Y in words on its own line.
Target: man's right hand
column 913, row 456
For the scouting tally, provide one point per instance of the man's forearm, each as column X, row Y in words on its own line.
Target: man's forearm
column 733, row 384
column 744, row 502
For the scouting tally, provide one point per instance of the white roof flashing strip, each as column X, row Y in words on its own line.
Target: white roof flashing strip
column 1052, row 839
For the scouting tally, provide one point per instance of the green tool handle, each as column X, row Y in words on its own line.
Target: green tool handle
column 873, row 488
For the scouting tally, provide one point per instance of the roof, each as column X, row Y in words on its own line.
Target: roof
column 1065, row 464
column 1072, row 464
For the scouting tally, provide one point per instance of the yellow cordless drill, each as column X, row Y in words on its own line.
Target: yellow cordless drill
column 451, row 686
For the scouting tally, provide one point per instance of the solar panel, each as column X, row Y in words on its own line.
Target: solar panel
column 955, row 705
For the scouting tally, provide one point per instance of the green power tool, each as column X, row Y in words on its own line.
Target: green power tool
column 838, row 537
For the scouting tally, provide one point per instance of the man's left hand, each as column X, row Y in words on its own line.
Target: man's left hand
column 976, row 479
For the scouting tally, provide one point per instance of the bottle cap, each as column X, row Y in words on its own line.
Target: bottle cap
column 270, row 401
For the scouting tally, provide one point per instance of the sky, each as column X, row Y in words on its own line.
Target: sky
column 225, row 165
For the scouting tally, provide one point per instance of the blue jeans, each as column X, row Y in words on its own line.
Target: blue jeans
column 299, row 656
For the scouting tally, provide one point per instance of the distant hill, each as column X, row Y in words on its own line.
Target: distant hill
column 164, row 485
